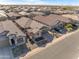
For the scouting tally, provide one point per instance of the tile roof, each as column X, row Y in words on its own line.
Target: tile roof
column 51, row 19
column 11, row 27
column 22, row 21
column 33, row 24
column 10, row 14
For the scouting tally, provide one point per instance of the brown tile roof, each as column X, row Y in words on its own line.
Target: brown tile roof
column 34, row 25
column 22, row 21
column 51, row 19
column 8, row 25
column 10, row 14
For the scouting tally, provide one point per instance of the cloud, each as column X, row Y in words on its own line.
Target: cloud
column 48, row 2
column 21, row 2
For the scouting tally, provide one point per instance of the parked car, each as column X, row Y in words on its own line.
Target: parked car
column 47, row 36
column 40, row 41
column 59, row 29
column 45, row 33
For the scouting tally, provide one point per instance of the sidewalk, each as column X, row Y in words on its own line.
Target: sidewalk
column 37, row 50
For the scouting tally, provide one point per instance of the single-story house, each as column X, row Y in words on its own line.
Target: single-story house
column 13, row 15
column 27, row 22
column 23, row 13
column 37, row 13
column 3, row 15
column 72, row 16
column 12, row 29
column 55, row 22
column 8, row 25
column 51, row 20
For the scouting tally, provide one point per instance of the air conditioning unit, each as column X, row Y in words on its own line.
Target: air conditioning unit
column 20, row 40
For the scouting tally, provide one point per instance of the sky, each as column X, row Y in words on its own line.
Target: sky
column 39, row 2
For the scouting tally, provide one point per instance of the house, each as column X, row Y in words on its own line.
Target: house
column 26, row 23
column 23, row 21
column 11, row 36
column 35, row 26
column 38, row 13
column 72, row 16
column 3, row 15
column 7, row 30
column 23, row 13
column 51, row 20
column 18, row 45
column 28, row 10
column 13, row 15
column 68, row 12
column 54, row 22
column 11, row 27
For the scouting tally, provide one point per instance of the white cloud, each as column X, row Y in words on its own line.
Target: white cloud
column 48, row 2
column 22, row 2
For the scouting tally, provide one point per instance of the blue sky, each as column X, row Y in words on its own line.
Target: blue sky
column 47, row 2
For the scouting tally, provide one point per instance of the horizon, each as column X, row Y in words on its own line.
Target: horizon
column 41, row 2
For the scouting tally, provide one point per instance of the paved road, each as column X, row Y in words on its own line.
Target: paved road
column 65, row 49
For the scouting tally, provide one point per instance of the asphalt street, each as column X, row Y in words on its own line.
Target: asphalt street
column 65, row 49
